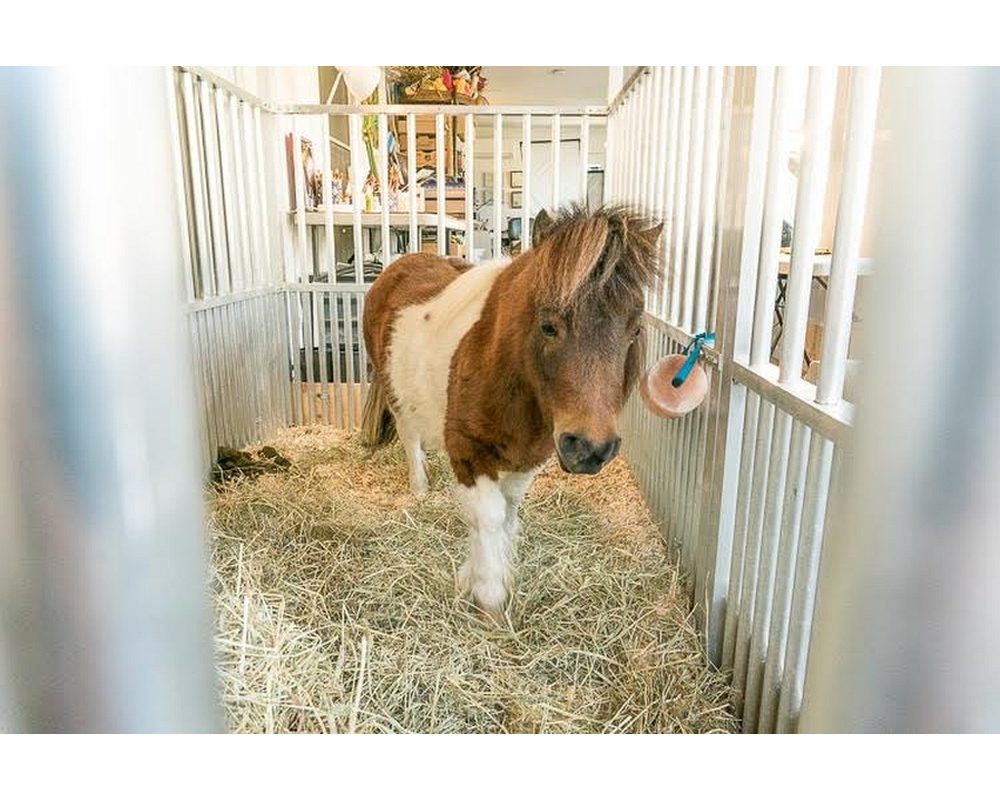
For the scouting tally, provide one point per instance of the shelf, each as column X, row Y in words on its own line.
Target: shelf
column 373, row 219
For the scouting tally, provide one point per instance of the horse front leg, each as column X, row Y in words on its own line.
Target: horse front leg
column 486, row 573
column 514, row 485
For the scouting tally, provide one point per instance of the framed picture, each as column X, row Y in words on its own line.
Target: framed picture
column 516, row 179
column 515, row 199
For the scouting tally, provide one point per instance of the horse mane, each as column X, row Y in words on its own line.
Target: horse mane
column 608, row 257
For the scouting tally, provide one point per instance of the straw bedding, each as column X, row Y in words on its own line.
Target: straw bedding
column 336, row 607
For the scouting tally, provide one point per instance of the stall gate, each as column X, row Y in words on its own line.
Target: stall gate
column 740, row 486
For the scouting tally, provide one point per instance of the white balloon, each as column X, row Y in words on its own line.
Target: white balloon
column 361, row 81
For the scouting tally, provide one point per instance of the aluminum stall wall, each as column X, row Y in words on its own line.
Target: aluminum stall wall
column 741, row 487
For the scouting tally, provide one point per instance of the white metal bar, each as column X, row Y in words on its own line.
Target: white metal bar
column 338, row 379
column 791, row 521
column 411, row 179
column 228, row 221
column 330, row 233
column 847, row 237
column 441, row 188
column 693, row 202
column 254, row 214
column 751, row 556
column 497, row 185
column 240, row 170
column 652, row 123
column 764, row 589
column 211, row 138
column 556, row 157
column 770, row 243
column 199, row 189
column 741, row 526
column 584, row 157
column 300, row 202
column 384, row 192
column 680, row 193
column 469, row 152
column 359, row 172
column 526, row 180
column 709, row 190
column 803, row 599
column 271, row 270
column 669, row 189
column 189, row 240
column 808, row 217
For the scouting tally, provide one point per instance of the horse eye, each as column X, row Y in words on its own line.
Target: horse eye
column 548, row 329
column 636, row 332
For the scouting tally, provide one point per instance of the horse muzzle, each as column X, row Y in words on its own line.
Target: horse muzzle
column 581, row 456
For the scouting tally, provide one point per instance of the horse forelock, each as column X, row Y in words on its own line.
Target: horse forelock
column 607, row 257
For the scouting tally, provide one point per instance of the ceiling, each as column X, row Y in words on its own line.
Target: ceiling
column 540, row 86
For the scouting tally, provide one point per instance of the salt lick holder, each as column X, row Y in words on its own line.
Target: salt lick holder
column 677, row 384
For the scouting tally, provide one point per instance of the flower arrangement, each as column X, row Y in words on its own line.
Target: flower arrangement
column 458, row 85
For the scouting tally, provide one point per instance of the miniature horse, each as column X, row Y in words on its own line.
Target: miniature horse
column 501, row 364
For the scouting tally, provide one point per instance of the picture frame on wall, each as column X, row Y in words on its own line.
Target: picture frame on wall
column 515, row 199
column 516, row 179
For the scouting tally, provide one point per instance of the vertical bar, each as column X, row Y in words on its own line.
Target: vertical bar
column 262, row 194
column 791, row 521
column 352, row 410
column 411, row 179
column 254, row 221
column 847, row 237
column 669, row 190
column 808, row 218
column 330, row 233
column 384, row 192
column 199, row 189
column 338, row 374
column 692, row 204
column 556, row 157
column 764, row 590
column 584, row 157
column 177, row 157
column 741, row 524
column 770, row 244
column 526, row 191
column 211, row 136
column 470, row 186
column 708, row 198
column 245, row 247
column 680, row 193
column 497, row 185
column 803, row 599
column 751, row 557
column 442, row 187
column 359, row 173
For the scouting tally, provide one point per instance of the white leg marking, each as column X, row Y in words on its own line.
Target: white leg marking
column 514, row 485
column 486, row 572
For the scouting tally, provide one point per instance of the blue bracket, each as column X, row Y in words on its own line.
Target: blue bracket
column 693, row 350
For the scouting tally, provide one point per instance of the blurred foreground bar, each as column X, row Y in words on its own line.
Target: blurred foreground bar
column 907, row 629
column 104, row 614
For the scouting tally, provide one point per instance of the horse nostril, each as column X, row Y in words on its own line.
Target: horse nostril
column 574, row 447
column 608, row 450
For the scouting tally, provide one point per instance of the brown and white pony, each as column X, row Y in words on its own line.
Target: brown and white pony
column 500, row 364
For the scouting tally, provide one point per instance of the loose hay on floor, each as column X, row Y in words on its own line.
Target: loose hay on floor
column 336, row 606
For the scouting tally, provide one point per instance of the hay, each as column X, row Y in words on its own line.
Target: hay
column 337, row 609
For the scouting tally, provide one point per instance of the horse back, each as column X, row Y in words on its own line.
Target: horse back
column 410, row 280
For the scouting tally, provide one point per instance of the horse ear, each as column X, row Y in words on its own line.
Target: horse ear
column 652, row 235
column 541, row 227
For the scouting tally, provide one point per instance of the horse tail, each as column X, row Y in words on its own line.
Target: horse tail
column 378, row 426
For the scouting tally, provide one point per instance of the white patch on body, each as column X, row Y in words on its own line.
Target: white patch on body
column 423, row 341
